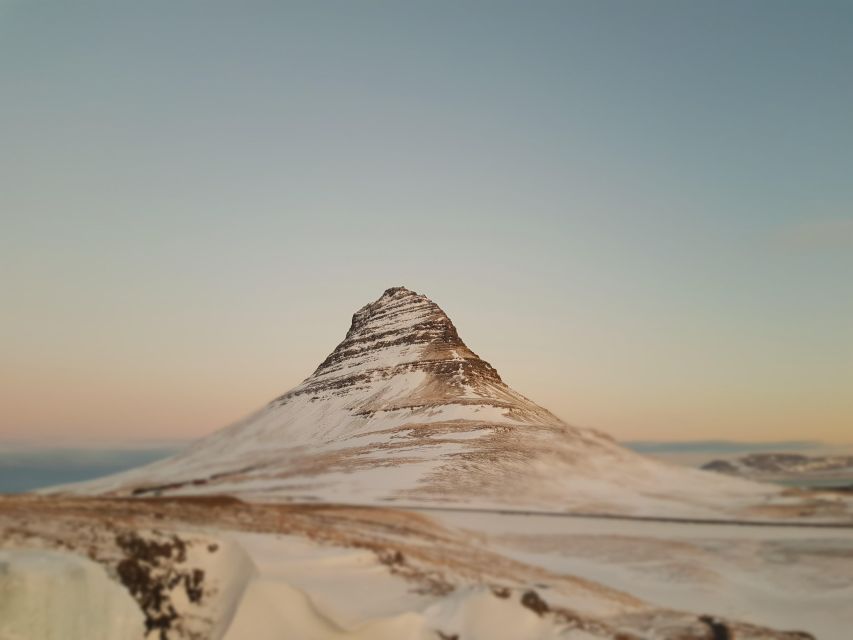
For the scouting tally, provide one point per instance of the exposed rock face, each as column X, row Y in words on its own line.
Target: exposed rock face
column 406, row 334
column 403, row 411
column 400, row 318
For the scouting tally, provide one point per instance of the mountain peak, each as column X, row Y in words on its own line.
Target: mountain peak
column 394, row 302
column 392, row 291
column 402, row 331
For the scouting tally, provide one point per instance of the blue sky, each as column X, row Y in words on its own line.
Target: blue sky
column 639, row 212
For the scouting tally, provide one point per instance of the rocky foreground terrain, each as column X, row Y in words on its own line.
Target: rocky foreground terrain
column 206, row 568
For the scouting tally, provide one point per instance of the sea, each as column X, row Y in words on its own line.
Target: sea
column 26, row 468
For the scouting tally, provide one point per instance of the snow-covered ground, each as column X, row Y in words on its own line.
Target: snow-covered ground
column 320, row 593
column 54, row 595
column 782, row 577
column 218, row 568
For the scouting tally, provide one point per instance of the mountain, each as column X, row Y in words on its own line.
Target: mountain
column 403, row 412
column 827, row 470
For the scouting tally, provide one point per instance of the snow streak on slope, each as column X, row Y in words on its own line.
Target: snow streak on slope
column 403, row 411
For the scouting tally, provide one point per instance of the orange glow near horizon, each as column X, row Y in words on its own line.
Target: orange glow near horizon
column 192, row 384
column 658, row 246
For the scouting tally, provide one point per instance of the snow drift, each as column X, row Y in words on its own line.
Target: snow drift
column 52, row 595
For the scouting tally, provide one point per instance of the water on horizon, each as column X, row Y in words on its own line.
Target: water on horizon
column 23, row 470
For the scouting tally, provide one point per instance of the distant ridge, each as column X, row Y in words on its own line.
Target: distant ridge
column 718, row 446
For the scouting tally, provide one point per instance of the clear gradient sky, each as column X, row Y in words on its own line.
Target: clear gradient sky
column 641, row 213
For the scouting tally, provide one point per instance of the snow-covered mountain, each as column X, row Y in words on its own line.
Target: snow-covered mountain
column 403, row 412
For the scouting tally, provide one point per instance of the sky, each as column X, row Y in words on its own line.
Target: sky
column 641, row 213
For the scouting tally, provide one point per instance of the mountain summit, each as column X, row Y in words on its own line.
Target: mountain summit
column 402, row 352
column 402, row 411
column 398, row 333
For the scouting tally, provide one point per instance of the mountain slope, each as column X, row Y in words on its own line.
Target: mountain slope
column 402, row 411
